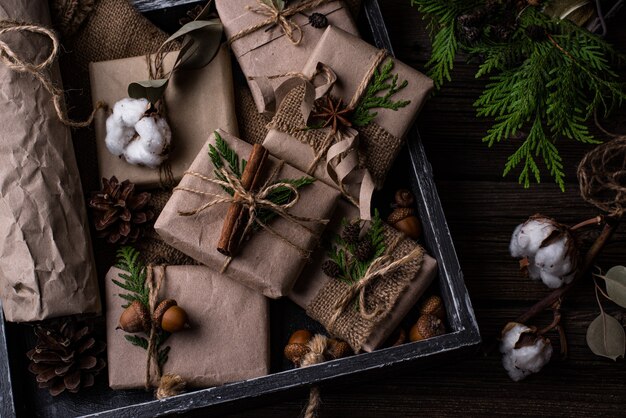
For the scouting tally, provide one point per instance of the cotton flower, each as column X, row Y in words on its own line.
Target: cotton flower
column 549, row 248
column 142, row 139
column 524, row 352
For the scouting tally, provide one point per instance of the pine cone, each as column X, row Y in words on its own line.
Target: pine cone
column 364, row 250
column 469, row 34
column 66, row 357
column 503, row 32
column 318, row 20
column 331, row 269
column 350, row 233
column 119, row 213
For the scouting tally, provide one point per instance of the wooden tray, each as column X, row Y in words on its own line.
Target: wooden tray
column 20, row 396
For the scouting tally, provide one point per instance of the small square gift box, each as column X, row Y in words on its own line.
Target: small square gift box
column 346, row 120
column 276, row 37
column 187, row 325
column 364, row 281
column 257, row 221
column 197, row 101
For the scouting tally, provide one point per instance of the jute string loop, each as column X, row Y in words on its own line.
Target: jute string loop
column 317, row 348
column 379, row 267
column 169, row 384
column 280, row 18
column 254, row 201
column 40, row 70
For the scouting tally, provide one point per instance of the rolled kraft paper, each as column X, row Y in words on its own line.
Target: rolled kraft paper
column 46, row 262
column 312, row 280
column 269, row 52
column 351, row 58
column 265, row 262
column 198, row 102
column 225, row 343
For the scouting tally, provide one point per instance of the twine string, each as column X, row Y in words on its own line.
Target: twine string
column 154, row 285
column 315, row 355
column 40, row 70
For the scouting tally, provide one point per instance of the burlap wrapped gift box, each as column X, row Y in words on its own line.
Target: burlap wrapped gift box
column 46, row 262
column 265, row 262
column 269, row 52
column 197, row 102
column 396, row 292
column 350, row 58
column 228, row 340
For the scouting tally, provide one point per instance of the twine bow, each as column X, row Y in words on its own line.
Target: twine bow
column 379, row 267
column 40, row 70
column 254, row 201
column 278, row 17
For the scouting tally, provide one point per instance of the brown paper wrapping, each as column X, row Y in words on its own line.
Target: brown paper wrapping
column 46, row 261
column 268, row 53
column 350, row 58
column 313, row 280
column 265, row 262
column 198, row 102
column 225, row 343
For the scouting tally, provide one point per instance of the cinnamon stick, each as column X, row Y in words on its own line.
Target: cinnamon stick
column 237, row 215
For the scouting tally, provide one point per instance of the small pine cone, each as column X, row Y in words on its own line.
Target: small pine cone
column 331, row 269
column 364, row 250
column 350, row 233
column 469, row 34
column 66, row 357
column 119, row 213
column 503, row 32
column 318, row 20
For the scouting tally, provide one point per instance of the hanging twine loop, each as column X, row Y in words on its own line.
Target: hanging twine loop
column 602, row 176
column 280, row 18
column 316, row 355
column 379, row 267
column 40, row 70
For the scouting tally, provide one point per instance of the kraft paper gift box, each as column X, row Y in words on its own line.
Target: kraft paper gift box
column 197, row 102
column 267, row 51
column 270, row 260
column 294, row 137
column 46, row 262
column 395, row 293
column 225, row 342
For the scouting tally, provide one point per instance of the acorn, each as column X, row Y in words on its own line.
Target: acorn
column 433, row 305
column 403, row 216
column 135, row 318
column 170, row 317
column 337, row 349
column 427, row 326
column 297, row 347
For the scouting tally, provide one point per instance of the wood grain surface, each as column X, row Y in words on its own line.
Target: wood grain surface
column 482, row 209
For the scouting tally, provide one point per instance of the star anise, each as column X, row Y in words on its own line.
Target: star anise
column 334, row 113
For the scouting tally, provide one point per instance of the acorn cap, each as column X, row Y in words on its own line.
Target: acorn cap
column 404, row 198
column 337, row 349
column 295, row 352
column 433, row 305
column 427, row 326
column 161, row 309
column 399, row 214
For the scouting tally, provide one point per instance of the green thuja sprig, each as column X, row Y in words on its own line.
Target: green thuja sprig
column 383, row 80
column 546, row 81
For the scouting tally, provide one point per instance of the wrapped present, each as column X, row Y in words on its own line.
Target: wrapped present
column 46, row 262
column 365, row 281
column 269, row 39
column 222, row 344
column 347, row 125
column 258, row 224
column 197, row 102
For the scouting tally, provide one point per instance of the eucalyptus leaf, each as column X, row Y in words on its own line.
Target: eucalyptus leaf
column 202, row 40
column 606, row 338
column 149, row 89
column 615, row 280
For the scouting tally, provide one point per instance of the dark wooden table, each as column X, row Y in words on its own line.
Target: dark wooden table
column 482, row 209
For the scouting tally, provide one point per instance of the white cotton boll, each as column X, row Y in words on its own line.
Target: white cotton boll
column 128, row 111
column 155, row 134
column 554, row 264
column 137, row 154
column 118, row 136
column 527, row 237
column 530, row 358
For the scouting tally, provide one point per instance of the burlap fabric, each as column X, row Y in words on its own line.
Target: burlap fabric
column 252, row 124
column 382, row 294
column 377, row 147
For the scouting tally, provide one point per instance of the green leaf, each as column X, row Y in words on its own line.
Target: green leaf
column 202, row 40
column 615, row 280
column 152, row 90
column 606, row 338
